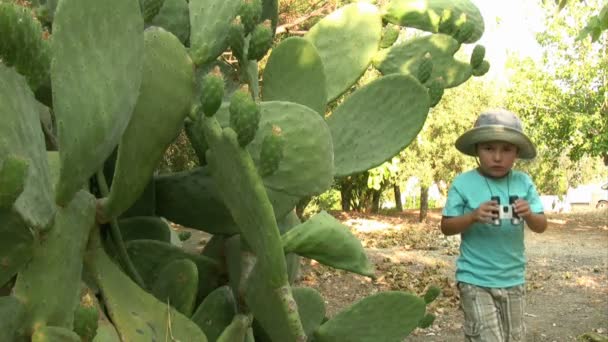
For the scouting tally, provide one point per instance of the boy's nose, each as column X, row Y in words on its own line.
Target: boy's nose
column 497, row 156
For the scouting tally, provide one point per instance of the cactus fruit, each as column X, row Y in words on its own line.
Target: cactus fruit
column 212, row 87
column 244, row 116
column 272, row 151
column 482, row 69
column 250, row 12
column 436, row 90
column 86, row 317
column 23, row 45
column 425, row 68
column 477, row 56
column 431, row 294
column 390, row 33
column 236, row 38
column 261, row 41
column 426, row 321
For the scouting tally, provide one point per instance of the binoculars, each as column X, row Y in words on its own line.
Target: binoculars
column 506, row 212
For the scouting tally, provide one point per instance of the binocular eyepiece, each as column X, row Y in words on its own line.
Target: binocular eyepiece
column 506, row 212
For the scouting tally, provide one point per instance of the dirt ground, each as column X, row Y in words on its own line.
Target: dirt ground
column 567, row 273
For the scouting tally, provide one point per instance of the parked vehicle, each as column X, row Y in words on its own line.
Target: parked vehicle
column 595, row 195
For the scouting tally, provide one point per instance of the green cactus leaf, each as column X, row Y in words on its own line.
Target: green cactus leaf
column 57, row 260
column 311, row 307
column 376, row 122
column 210, row 21
column 243, row 192
column 327, row 240
column 406, row 58
column 149, row 256
column 150, row 8
column 16, row 245
column 285, row 224
column 387, row 316
column 273, row 308
column 144, row 228
column 164, row 102
column 12, row 312
column 54, row 162
column 145, row 205
column 106, row 332
column 307, row 146
column 174, row 17
column 137, row 315
column 346, row 40
column 215, row 313
column 192, row 199
column 270, row 10
column 237, row 329
column 430, row 15
column 20, row 131
column 54, row 334
column 295, row 73
column 13, row 174
column 93, row 93
column 177, row 285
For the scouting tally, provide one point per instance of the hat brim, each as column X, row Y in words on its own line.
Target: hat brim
column 466, row 142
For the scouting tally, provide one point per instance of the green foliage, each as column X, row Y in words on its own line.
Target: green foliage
column 128, row 79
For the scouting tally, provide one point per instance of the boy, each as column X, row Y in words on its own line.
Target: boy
column 482, row 207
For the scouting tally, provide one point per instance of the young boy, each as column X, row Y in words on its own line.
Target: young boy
column 482, row 208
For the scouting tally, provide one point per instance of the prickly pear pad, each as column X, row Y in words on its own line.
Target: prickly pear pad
column 16, row 245
column 237, row 329
column 20, row 131
column 137, row 315
column 164, row 101
column 96, row 74
column 386, row 316
column 429, row 18
column 11, row 314
column 210, row 22
column 177, row 285
column 406, row 58
column 215, row 313
column 174, row 17
column 57, row 259
column 52, row 334
column 295, row 73
column 325, row 239
column 13, row 174
column 311, row 307
column 376, row 122
column 346, row 40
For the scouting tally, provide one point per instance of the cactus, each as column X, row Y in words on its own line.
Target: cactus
column 126, row 77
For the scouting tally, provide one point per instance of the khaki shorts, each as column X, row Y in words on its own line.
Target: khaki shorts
column 493, row 314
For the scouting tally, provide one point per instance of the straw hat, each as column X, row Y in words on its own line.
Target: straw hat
column 496, row 125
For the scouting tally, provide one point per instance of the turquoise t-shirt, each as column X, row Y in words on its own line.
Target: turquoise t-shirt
column 491, row 256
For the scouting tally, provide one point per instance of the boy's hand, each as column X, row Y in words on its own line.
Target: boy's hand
column 522, row 208
column 486, row 212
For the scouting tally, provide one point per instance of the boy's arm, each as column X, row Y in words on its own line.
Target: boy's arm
column 536, row 221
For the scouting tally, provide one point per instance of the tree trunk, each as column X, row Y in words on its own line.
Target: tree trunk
column 376, row 201
column 424, row 202
column 345, row 195
column 398, row 202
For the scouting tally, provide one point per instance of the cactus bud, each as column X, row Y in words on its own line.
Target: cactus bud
column 482, row 69
column 390, row 33
column 425, row 68
column 272, row 152
column 431, row 294
column 436, row 89
column 86, row 317
column 250, row 12
column 479, row 52
column 261, row 41
column 212, row 87
column 426, row 321
column 465, row 32
column 244, row 115
column 236, row 38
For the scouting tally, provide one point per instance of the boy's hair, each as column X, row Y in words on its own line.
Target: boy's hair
column 496, row 125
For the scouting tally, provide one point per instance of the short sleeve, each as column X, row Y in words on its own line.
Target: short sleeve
column 454, row 204
column 536, row 206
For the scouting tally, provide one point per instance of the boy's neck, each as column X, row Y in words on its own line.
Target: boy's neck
column 480, row 171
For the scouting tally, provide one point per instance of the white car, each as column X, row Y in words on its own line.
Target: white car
column 595, row 195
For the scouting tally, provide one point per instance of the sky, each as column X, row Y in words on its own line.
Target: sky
column 509, row 26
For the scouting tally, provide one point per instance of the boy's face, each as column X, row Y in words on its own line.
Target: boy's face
column 496, row 158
